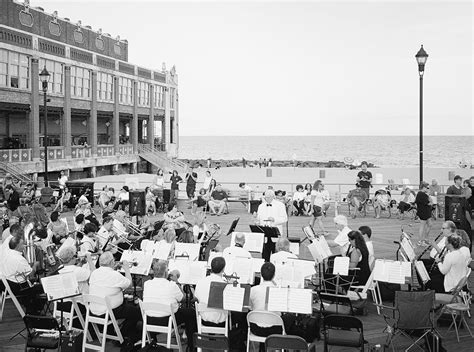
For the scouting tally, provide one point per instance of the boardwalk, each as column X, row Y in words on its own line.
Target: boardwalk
column 385, row 231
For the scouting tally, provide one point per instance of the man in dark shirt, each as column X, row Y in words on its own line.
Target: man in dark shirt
column 471, row 186
column 364, row 178
column 13, row 201
column 191, row 180
column 218, row 200
column 455, row 189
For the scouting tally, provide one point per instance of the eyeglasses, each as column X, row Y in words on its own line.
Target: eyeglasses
column 445, row 228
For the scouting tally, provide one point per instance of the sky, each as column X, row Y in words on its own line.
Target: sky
column 300, row 68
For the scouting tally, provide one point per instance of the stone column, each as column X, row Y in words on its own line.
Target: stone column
column 93, row 115
column 66, row 120
column 33, row 121
column 116, row 119
column 151, row 117
column 134, row 122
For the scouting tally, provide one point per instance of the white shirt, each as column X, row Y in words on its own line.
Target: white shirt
column 454, row 268
column 119, row 228
column 281, row 257
column 197, row 230
column 342, row 240
column 107, row 282
column 258, row 296
column 82, row 275
column 236, row 252
column 158, row 182
column 15, row 264
column 441, row 244
column 4, row 249
column 202, row 294
column 103, row 235
column 370, row 247
column 299, row 196
column 321, row 197
column 277, row 211
column 207, row 182
column 163, row 291
column 87, row 244
column 62, row 181
column 5, row 233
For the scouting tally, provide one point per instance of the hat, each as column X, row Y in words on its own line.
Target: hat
column 125, row 188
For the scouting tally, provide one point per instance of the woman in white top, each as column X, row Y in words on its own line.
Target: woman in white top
column 158, row 185
column 319, row 198
column 207, row 180
column 454, row 264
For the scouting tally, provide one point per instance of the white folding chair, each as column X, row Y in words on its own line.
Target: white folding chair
column 8, row 294
column 106, row 320
column 148, row 308
column 372, row 286
column 262, row 319
column 70, row 315
column 204, row 329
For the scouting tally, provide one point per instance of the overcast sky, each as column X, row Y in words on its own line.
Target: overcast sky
column 300, row 68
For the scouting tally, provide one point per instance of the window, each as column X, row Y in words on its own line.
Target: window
column 159, row 96
column 55, row 69
column 143, row 94
column 172, row 96
column 125, row 91
column 80, row 82
column 105, row 86
column 14, row 70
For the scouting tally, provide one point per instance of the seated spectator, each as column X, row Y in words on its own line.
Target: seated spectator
column 150, row 200
column 308, row 188
column 298, row 200
column 28, row 194
column 211, row 316
column 165, row 289
column 407, row 202
column 12, row 196
column 64, row 200
column 238, row 249
column 218, row 201
column 283, row 252
column 104, row 197
column 174, row 219
column 58, row 228
column 357, row 198
column 199, row 200
column 123, row 198
column 381, row 202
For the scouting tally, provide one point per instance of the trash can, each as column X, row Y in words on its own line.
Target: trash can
column 269, row 172
column 322, row 173
column 451, row 175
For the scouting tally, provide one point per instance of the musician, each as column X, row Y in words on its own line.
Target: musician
column 359, row 256
column 11, row 221
column 454, row 264
column 57, row 227
column 238, row 249
column 87, row 243
column 15, row 230
column 80, row 222
column 200, row 228
column 84, row 207
column 271, row 213
column 211, row 316
column 168, row 292
column 105, row 233
column 366, row 232
column 106, row 282
column 186, row 237
column 341, row 242
column 283, row 252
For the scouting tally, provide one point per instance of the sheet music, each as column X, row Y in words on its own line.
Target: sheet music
column 277, row 299
column 305, row 267
column 143, row 260
column 257, row 264
column 300, row 301
column 287, row 275
column 319, row 249
column 380, row 274
column 394, row 272
column 191, row 249
column 60, row 286
column 190, row 271
column 253, row 241
column 161, row 250
column 421, row 269
column 233, row 298
column 68, row 242
column 408, row 248
column 243, row 267
column 295, row 248
column 406, row 269
column 341, row 265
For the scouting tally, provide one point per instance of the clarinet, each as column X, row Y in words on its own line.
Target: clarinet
column 441, row 256
column 429, row 247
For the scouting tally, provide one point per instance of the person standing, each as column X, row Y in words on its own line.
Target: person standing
column 62, row 179
column 191, row 180
column 175, row 180
column 364, row 178
column 319, row 204
column 423, row 211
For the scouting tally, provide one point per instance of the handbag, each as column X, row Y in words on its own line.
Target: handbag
column 71, row 341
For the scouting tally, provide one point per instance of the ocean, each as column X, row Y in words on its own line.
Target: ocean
column 382, row 151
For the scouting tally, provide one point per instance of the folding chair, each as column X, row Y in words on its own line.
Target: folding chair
column 288, row 343
column 343, row 330
column 372, row 286
column 43, row 332
column 8, row 294
column 412, row 310
column 146, row 309
column 335, row 304
column 204, row 329
column 211, row 342
column 262, row 319
column 106, row 320
column 70, row 315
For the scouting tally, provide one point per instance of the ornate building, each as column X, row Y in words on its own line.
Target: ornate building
column 103, row 113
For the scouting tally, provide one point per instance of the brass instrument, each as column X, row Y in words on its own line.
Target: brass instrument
column 121, row 234
column 430, row 247
column 133, row 227
column 119, row 265
column 30, row 252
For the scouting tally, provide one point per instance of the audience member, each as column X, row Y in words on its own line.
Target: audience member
column 175, row 181
column 218, row 201
column 319, row 202
column 407, row 202
column 423, row 211
column 364, row 178
column 191, row 180
column 357, row 198
column 298, row 200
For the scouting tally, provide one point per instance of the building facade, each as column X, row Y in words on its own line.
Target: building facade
column 102, row 111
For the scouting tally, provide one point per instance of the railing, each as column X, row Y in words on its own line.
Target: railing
column 125, row 149
column 105, row 150
column 15, row 171
column 54, row 153
column 80, row 152
column 161, row 156
column 15, row 155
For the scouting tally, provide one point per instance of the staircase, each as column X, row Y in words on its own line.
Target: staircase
column 160, row 159
column 15, row 171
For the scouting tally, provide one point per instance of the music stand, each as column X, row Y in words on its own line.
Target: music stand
column 233, row 226
column 269, row 245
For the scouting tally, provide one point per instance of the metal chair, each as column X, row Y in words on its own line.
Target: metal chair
column 211, row 342
column 288, row 342
column 262, row 319
column 343, row 330
column 43, row 332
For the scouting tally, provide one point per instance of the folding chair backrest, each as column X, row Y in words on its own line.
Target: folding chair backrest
column 345, row 322
column 40, row 322
column 285, row 342
column 264, row 319
column 211, row 342
column 335, row 304
column 8, row 291
column 349, row 331
column 414, row 309
column 149, row 307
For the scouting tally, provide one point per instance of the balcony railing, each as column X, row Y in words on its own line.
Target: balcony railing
column 125, row 149
column 15, row 155
column 105, row 150
column 54, row 153
column 81, row 152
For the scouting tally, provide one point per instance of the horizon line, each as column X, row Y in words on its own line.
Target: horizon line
column 332, row 135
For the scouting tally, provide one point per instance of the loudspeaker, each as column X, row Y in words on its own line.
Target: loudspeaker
column 137, row 205
column 454, row 209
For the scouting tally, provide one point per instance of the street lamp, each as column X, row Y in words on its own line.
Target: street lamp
column 44, row 76
column 421, row 57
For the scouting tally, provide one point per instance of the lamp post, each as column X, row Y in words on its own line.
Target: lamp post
column 44, row 76
column 421, row 57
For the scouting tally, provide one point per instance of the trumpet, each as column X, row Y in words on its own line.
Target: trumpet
column 122, row 234
column 119, row 265
column 133, row 227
